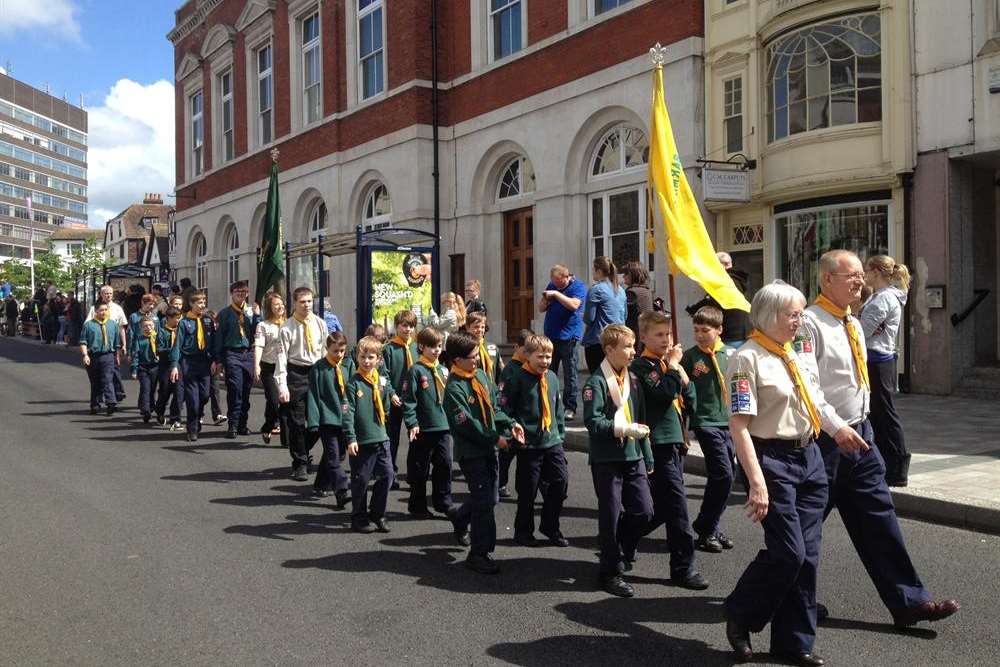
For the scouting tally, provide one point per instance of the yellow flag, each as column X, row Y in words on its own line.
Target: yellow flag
column 689, row 249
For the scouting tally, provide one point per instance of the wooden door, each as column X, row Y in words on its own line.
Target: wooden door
column 519, row 270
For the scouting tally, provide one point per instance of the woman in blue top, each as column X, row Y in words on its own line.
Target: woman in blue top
column 605, row 305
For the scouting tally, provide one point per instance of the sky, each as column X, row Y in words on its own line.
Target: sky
column 116, row 55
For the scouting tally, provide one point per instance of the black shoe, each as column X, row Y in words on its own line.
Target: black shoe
column 243, row 430
column 617, row 586
column 822, row 613
column 192, row 437
column 461, row 531
column 626, row 565
column 709, row 544
column 218, row 419
column 231, row 434
column 365, row 528
column 420, row 513
column 120, row 397
column 93, row 411
column 300, row 473
column 146, row 417
column 692, row 581
column 503, row 492
column 525, row 540
column 801, row 659
column 482, row 563
column 381, row 525
column 394, row 486
column 322, row 493
column 161, row 420
column 342, row 499
column 266, row 437
column 557, row 539
column 724, row 541
column 110, row 411
column 739, row 639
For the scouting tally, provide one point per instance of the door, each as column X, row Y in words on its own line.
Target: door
column 519, row 270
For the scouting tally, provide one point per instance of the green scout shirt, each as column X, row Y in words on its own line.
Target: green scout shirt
column 187, row 337
column 472, row 437
column 91, row 336
column 394, row 356
column 599, row 415
column 509, row 370
column 227, row 335
column 521, row 399
column 494, row 353
column 709, row 409
column 360, row 423
column 165, row 347
column 659, row 391
column 325, row 404
column 423, row 400
column 142, row 353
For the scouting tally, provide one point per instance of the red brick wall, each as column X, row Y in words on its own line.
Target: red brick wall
column 240, row 99
column 282, row 72
column 546, row 18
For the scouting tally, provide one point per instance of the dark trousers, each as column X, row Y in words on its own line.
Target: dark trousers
column 429, row 452
column 504, row 458
column 717, row 446
column 169, row 391
column 214, row 389
column 116, row 380
column 534, row 466
column 624, row 510
column 593, row 355
column 330, row 475
column 779, row 585
column 372, row 462
column 859, row 492
column 101, row 374
column 12, row 327
column 394, row 426
column 197, row 374
column 148, row 375
column 666, row 485
column 885, row 420
column 273, row 414
column 239, row 380
column 300, row 441
column 564, row 354
column 477, row 511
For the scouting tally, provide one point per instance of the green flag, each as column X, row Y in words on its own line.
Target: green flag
column 271, row 265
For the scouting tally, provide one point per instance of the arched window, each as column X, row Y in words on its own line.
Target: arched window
column 824, row 75
column 317, row 221
column 200, row 262
column 377, row 211
column 233, row 255
column 622, row 148
column 517, row 178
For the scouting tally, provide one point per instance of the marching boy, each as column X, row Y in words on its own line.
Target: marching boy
column 99, row 345
column 532, row 398
column 145, row 364
column 705, row 364
column 620, row 458
column 427, row 426
column 663, row 382
column 506, row 456
column 399, row 355
column 192, row 359
column 368, row 400
column 234, row 354
column 326, row 408
column 170, row 390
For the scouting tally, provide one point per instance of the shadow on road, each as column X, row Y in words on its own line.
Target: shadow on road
column 881, row 628
column 227, row 476
column 297, row 524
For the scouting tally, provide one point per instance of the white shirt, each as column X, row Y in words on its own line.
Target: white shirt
column 268, row 339
column 823, row 345
column 293, row 348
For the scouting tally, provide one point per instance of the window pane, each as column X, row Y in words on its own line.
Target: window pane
column 365, row 35
column 819, row 113
column 597, row 217
column 869, row 105
column 264, row 59
column 797, row 118
column 869, row 71
column 734, row 134
column 377, row 28
column 264, row 94
column 625, row 248
column 598, row 247
column 842, row 111
column 624, row 212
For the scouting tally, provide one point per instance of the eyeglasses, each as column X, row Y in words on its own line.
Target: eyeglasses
column 850, row 276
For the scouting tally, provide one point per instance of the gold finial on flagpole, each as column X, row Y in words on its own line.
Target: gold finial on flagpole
column 274, row 154
column 658, row 55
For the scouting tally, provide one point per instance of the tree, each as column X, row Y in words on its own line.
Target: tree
column 49, row 267
column 18, row 274
column 90, row 258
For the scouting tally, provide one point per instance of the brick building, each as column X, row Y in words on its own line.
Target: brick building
column 127, row 235
column 543, row 114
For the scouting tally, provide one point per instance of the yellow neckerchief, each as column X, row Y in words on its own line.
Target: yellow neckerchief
column 678, row 405
column 340, row 374
column 373, row 380
column 173, row 334
column 715, row 364
column 622, row 377
column 844, row 315
column 152, row 341
column 485, row 400
column 405, row 344
column 306, row 329
column 784, row 352
column 242, row 315
column 438, row 380
column 543, row 389
column 201, row 330
column 104, row 330
column 484, row 358
column 518, row 357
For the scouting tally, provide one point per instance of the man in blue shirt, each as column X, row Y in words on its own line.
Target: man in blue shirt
column 561, row 302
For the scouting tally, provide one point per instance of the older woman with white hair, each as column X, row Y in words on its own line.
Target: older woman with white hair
column 775, row 410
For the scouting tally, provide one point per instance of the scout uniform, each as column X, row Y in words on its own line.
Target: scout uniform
column 234, row 350
column 367, row 399
column 168, row 353
column 102, row 342
column 507, row 456
column 302, row 345
column 768, row 383
column 663, row 393
column 710, row 420
column 398, row 356
column 534, row 400
column 618, row 464
column 326, row 409
column 490, row 361
column 194, row 359
column 145, row 366
column 476, row 423
column 116, row 313
column 423, row 398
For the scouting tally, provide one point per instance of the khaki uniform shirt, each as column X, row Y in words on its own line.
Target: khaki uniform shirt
column 823, row 346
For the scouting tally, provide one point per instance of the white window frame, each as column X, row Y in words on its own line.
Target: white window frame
column 258, row 77
column 375, row 5
column 224, row 99
column 491, row 15
column 622, row 169
column 521, row 189
column 201, row 261
column 592, row 7
column 369, row 222
column 233, row 254
column 642, row 224
column 197, row 145
column 315, row 44
column 726, row 116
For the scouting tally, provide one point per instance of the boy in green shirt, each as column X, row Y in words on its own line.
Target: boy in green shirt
column 705, row 364
column 145, row 364
column 399, row 355
column 326, row 406
column 99, row 343
column 427, row 428
column 506, row 457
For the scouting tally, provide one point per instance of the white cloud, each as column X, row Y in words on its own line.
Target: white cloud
column 131, row 147
column 54, row 16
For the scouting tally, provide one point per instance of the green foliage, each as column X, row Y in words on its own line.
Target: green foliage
column 18, row 274
column 50, row 266
column 90, row 258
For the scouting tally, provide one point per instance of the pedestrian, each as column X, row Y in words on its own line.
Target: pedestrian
column 605, row 305
column 368, row 396
column 507, row 456
column 398, row 356
column 735, row 326
column 171, row 387
column 60, row 312
column 267, row 345
column 215, row 378
column 833, row 344
column 326, row 409
column 427, row 428
column 489, row 354
column 10, row 313
column 333, row 324
column 775, row 418
column 478, row 427
column 100, row 347
column 195, row 342
column 106, row 295
column 161, row 303
column 74, row 319
column 186, row 289
column 50, row 291
column 145, row 364
column 452, row 319
column 146, row 305
column 620, row 458
column 473, row 303
column 561, row 302
column 880, row 319
column 234, row 354
column 705, row 363
column 638, row 296
column 532, row 398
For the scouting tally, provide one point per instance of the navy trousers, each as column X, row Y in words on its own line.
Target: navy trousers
column 116, row 379
column 535, row 466
column 214, row 389
column 330, row 475
column 624, row 510
column 666, row 485
column 477, row 511
column 273, row 414
column 239, row 380
column 197, row 374
column 101, row 374
column 372, row 462
column 859, row 492
column 717, row 446
column 779, row 585
column 394, row 427
column 564, row 354
column 504, row 458
column 429, row 455
column 169, row 391
column 148, row 375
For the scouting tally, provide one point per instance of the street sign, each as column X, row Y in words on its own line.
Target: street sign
column 729, row 185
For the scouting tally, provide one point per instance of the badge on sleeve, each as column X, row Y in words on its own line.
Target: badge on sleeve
column 588, row 393
column 802, row 344
column 700, row 369
column 361, row 394
column 653, row 378
column 740, row 397
column 424, row 382
column 472, row 399
column 460, row 417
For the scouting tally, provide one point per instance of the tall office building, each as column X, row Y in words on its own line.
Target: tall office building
column 43, row 167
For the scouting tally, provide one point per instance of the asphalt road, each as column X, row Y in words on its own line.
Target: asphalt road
column 121, row 544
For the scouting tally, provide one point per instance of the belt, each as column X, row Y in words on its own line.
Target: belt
column 296, row 368
column 780, row 442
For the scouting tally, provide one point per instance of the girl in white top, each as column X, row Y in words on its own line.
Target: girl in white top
column 267, row 345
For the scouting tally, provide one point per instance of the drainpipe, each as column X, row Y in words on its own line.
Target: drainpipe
column 910, row 236
column 436, row 255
